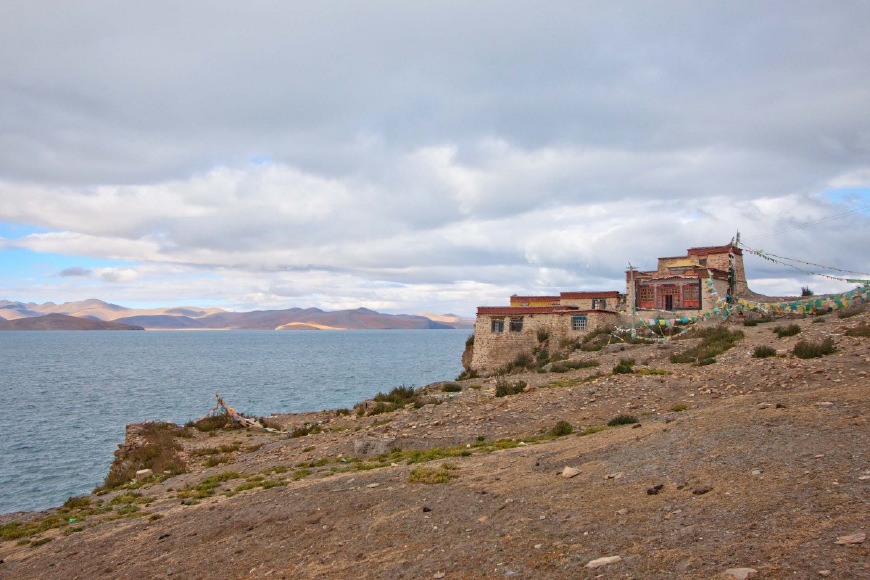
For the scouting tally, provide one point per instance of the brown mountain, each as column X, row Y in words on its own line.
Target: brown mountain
column 62, row 322
column 194, row 318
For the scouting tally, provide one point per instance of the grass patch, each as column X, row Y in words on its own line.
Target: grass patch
column 652, row 372
column 468, row 374
column 451, row 388
column 592, row 430
column 565, row 366
column 622, row 420
column 306, row 429
column 429, row 475
column 714, row 341
column 679, row 407
column 213, row 423
column 207, row 486
column 763, row 351
column 806, row 349
column 784, row 331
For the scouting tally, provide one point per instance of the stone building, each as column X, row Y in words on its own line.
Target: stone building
column 680, row 284
column 501, row 333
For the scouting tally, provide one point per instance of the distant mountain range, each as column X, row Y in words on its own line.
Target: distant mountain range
column 77, row 315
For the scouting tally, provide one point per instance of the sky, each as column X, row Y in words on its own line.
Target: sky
column 423, row 156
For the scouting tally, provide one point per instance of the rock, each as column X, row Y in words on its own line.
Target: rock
column 616, row 475
column 824, row 572
column 426, row 509
column 144, row 474
column 654, row 490
column 856, row 538
column 373, row 485
column 373, row 446
column 439, row 575
column 825, row 404
column 622, row 512
column 569, row 472
column 702, row 490
column 598, row 562
column 739, row 573
column 756, row 472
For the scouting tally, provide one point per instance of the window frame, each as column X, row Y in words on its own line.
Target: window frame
column 496, row 326
column 580, row 323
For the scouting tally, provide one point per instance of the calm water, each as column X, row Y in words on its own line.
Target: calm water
column 66, row 396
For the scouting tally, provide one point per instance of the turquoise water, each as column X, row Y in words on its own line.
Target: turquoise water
column 67, row 396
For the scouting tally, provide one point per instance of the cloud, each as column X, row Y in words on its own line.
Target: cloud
column 75, row 271
column 432, row 157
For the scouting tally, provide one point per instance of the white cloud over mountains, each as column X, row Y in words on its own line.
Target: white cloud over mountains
column 426, row 156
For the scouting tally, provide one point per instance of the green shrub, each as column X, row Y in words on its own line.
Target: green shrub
column 451, row 388
column 469, row 342
column 622, row 420
column 543, row 334
column 206, row 424
column 561, row 428
column 503, row 387
column 784, row 331
column 750, row 322
column 468, row 374
column 710, row 360
column 624, row 367
column 679, row 407
column 807, row 349
column 763, row 352
column 818, row 320
column 399, row 395
column 714, row 341
column 340, row 412
column 862, row 330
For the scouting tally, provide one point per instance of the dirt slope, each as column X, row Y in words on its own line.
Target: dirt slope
column 766, row 467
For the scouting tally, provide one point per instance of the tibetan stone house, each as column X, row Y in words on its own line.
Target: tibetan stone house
column 501, row 333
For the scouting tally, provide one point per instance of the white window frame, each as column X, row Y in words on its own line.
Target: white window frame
column 579, row 322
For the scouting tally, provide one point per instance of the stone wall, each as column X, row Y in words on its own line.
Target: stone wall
column 493, row 351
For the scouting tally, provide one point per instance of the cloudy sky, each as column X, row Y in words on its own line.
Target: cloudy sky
column 422, row 156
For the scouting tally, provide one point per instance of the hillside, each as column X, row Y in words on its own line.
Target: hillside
column 749, row 462
column 192, row 318
column 62, row 322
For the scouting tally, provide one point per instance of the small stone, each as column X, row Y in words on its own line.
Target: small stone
column 739, row 573
column 143, row 473
column 825, row 404
column 756, row 472
column 426, row 509
column 616, row 475
column 598, row 562
column 764, row 405
column 856, row 538
column 439, row 575
column 654, row 490
column 539, row 546
column 373, row 485
column 702, row 490
column 824, row 572
column 569, row 472
column 622, row 512
column 781, row 406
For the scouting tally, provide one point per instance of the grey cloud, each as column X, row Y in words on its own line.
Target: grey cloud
column 75, row 272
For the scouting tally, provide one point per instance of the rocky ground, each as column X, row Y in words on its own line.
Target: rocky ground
column 761, row 464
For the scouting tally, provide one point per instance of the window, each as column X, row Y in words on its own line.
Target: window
column 645, row 296
column 578, row 322
column 599, row 304
column 516, row 324
column 497, row 326
column 691, row 296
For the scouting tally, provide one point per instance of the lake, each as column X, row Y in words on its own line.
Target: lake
column 67, row 395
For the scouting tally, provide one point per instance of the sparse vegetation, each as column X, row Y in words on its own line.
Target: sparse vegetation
column 622, row 420
column 451, row 388
column 158, row 453
column 679, row 407
column 565, row 366
column 503, row 387
column 468, row 374
column 441, row 474
column 221, row 421
column 306, row 429
column 784, row 331
column 807, row 349
column 714, row 341
column 763, row 351
column 852, row 310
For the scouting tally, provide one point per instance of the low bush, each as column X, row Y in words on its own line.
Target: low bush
column 158, row 452
column 624, row 367
column 763, row 352
column 784, row 331
column 807, row 349
column 561, row 429
column 862, row 330
column 503, row 387
column 213, row 423
column 306, row 429
column 468, row 374
column 679, row 407
column 622, row 420
column 451, row 388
